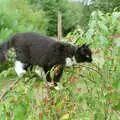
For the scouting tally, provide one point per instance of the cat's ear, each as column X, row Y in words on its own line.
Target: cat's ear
column 80, row 50
column 84, row 45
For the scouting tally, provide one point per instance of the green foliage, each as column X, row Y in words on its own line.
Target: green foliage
column 106, row 5
column 32, row 19
column 103, row 33
column 76, row 15
column 73, row 14
column 102, row 27
column 51, row 8
column 76, row 37
column 18, row 16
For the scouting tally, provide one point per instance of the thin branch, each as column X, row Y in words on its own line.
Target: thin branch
column 88, row 68
column 9, row 89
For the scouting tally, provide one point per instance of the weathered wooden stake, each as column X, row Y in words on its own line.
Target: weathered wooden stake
column 59, row 25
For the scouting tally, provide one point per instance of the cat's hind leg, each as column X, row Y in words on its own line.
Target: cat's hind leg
column 22, row 60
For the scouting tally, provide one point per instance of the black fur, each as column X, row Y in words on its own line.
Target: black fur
column 35, row 49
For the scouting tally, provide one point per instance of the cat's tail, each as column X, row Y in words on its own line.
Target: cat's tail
column 7, row 44
column 4, row 47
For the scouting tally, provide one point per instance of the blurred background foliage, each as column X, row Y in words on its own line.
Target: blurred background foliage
column 18, row 16
column 41, row 15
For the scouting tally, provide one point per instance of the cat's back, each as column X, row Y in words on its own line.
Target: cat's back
column 31, row 38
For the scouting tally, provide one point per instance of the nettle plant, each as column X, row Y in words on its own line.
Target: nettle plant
column 103, row 34
column 102, row 27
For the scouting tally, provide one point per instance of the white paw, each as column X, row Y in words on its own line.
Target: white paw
column 50, row 84
column 57, row 88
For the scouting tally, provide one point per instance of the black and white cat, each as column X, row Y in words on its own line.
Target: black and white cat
column 34, row 49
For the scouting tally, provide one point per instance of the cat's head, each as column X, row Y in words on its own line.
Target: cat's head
column 83, row 54
column 2, row 55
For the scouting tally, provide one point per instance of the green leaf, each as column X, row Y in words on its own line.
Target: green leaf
column 117, row 107
column 103, row 26
column 19, row 112
column 65, row 117
column 59, row 105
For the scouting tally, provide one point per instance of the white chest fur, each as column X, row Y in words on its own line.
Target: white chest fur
column 70, row 61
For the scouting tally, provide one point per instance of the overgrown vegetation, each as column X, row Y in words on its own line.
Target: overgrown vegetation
column 88, row 91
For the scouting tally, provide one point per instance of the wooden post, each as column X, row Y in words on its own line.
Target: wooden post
column 59, row 25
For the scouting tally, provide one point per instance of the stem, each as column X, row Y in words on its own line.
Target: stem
column 9, row 89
